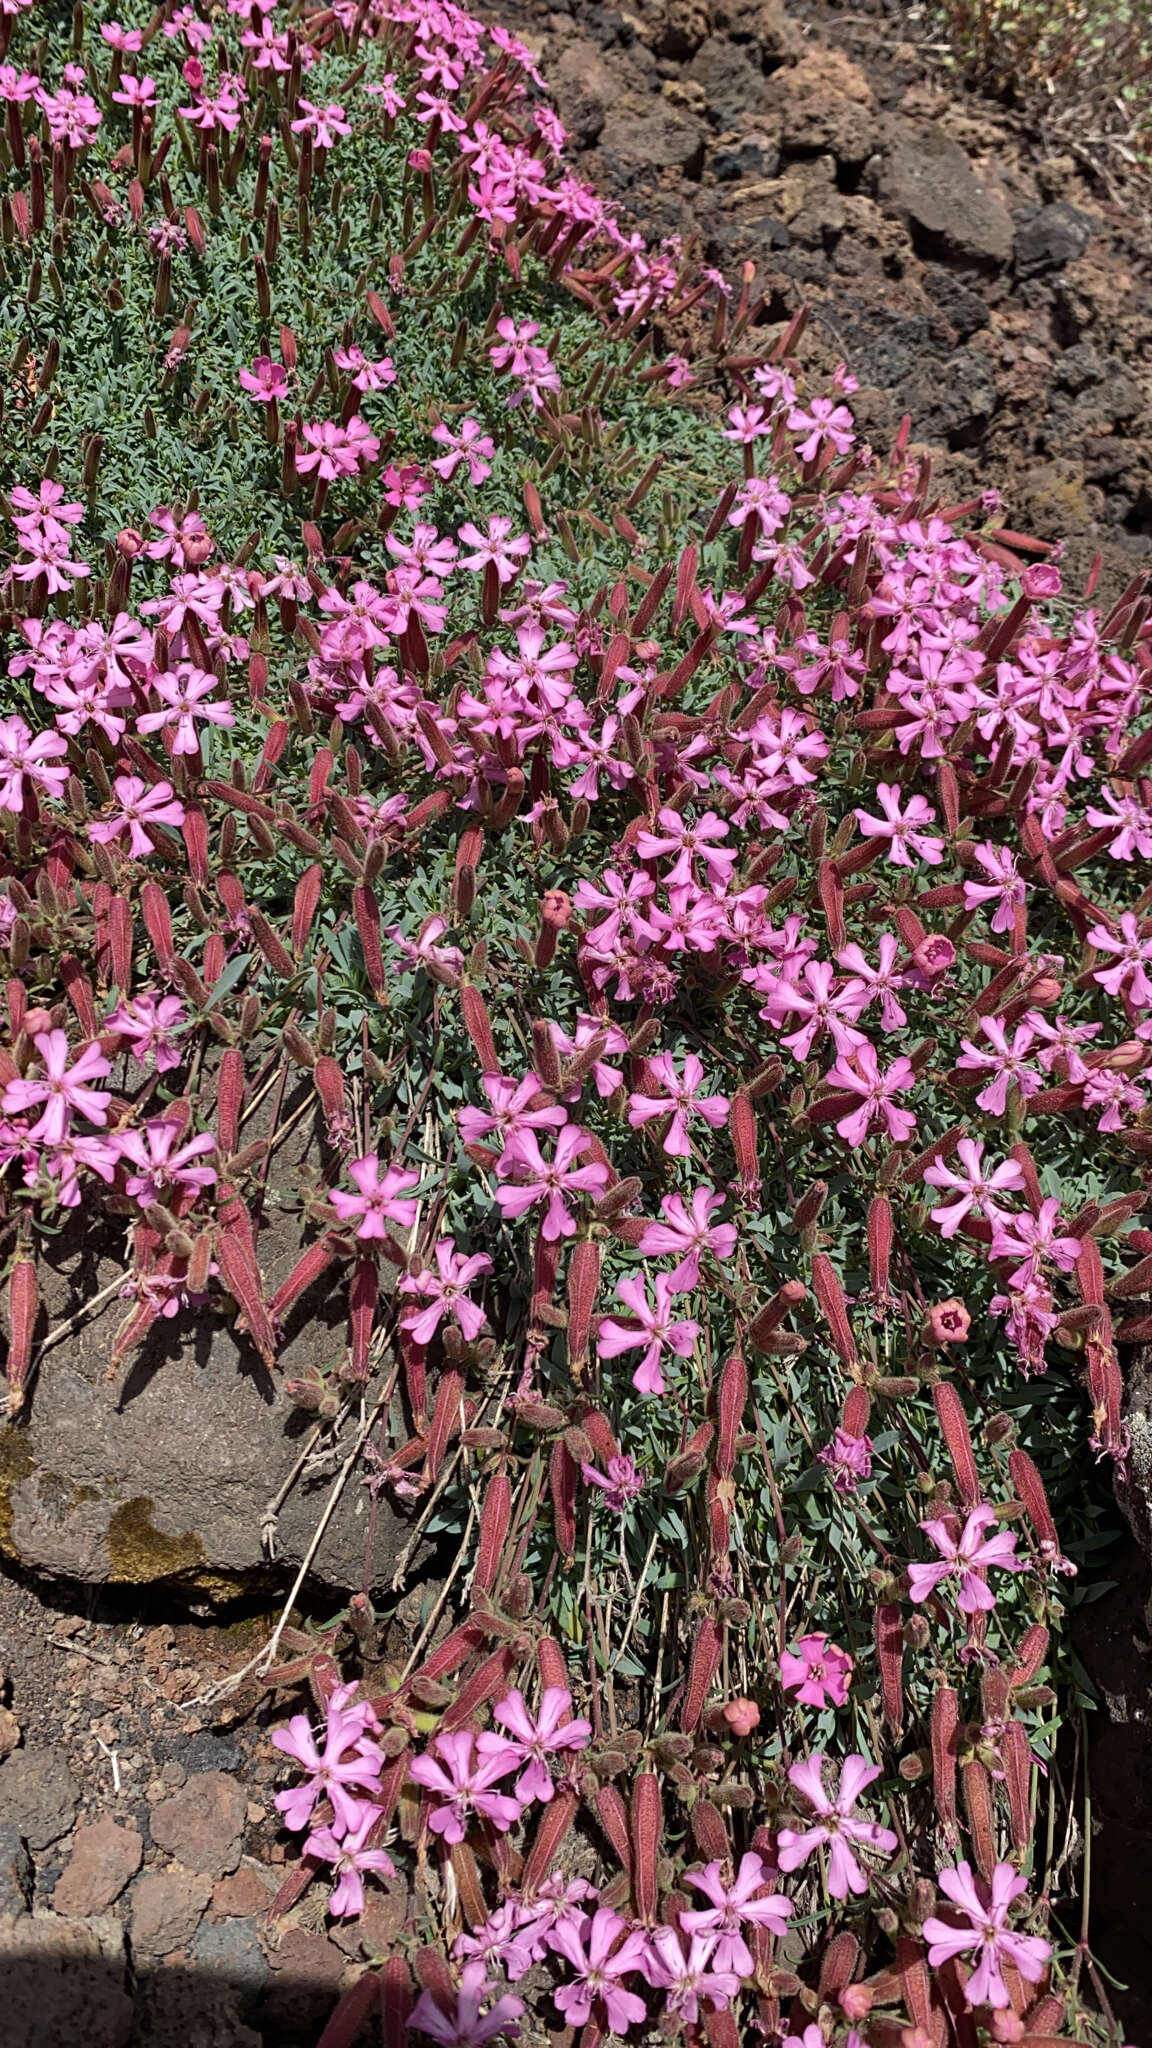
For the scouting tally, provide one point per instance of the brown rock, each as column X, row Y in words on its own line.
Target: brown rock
column 103, row 1859
column 928, row 180
column 202, row 1824
column 9, row 1731
column 825, row 103
column 39, row 1794
column 241, row 1896
column 64, row 1983
column 583, row 87
column 308, row 1959
column 166, row 1910
column 668, row 138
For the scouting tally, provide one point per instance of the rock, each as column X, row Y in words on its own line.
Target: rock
column 583, row 89
column 1078, row 368
column 202, row 1824
column 682, row 29
column 825, row 106
column 1048, row 237
column 166, row 1910
column 65, row 1983
column 168, row 1478
column 926, row 179
column 667, row 138
column 964, row 310
column 16, row 1873
column 103, row 1859
column 232, row 1951
column 953, row 401
column 242, row 1895
column 764, row 25
column 308, row 1971
column 729, row 79
column 754, row 156
column 9, row 1732
column 39, row 1795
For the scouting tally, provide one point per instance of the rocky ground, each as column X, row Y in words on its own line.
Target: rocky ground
column 989, row 291
column 967, row 277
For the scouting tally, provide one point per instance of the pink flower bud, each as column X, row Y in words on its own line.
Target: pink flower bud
column 742, row 1716
column 934, row 955
column 192, row 72
column 420, row 159
column 1040, row 580
column 129, row 542
column 1008, row 2026
column 856, row 2001
column 948, row 1322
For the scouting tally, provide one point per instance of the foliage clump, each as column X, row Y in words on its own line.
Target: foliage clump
column 700, row 876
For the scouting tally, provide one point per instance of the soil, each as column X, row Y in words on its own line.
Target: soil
column 989, row 290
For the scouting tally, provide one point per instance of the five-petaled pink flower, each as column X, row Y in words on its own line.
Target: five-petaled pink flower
column 62, row 1089
column 679, row 1095
column 467, row 2027
column 382, row 1197
column 535, row 1740
column 162, row 1163
column 445, row 1293
column 966, row 1556
column 976, row 1188
column 860, row 1074
column 739, row 1899
column 836, row 1826
column 657, row 1329
column 139, row 805
column 985, row 1907
column 462, row 1775
column 548, row 1180
column 349, row 1758
column 816, row 1672
column 265, row 381
column 348, row 1850
column 601, row 1953
column 688, row 1233
column 687, row 1978
column 903, row 828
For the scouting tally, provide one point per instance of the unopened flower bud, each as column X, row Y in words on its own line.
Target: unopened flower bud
column 934, row 955
column 947, row 1322
column 129, row 542
column 742, row 1716
column 1039, row 580
column 855, row 2001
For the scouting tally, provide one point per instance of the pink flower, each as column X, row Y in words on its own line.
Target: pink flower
column 467, row 2027
column 746, row 424
column 679, row 1095
column 347, row 1849
column 825, row 421
column 848, row 1458
column 600, row 1958
column 903, row 829
column 688, row 841
column 836, row 1826
column 470, row 444
column 184, row 696
column 817, row 1673
column 620, row 1484
column 140, row 805
column 266, row 380
column 497, row 546
column 966, row 1557
column 688, row 1978
column 324, row 124
column 163, row 1163
column 535, row 1741
column 37, row 758
column 742, row 1899
column 548, row 1180
column 382, row 1197
column 688, row 1234
column 1032, row 1239
column 511, row 1111
column 654, row 1328
column 975, row 1187
column 150, row 1021
column 863, row 1078
column 1006, row 889
column 62, row 1088
column 985, row 1907
column 1133, row 952
column 444, row 1291
column 1004, row 1064
column 349, row 1757
column 464, row 1783
column 442, row 962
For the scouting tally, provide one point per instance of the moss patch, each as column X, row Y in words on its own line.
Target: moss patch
column 139, row 1552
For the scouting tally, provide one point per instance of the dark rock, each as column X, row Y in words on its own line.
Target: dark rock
column 883, row 347
column 583, row 87
column 65, row 1983
column 38, row 1795
column 964, row 310
column 16, row 1873
column 825, row 107
column 953, row 401
column 754, row 156
column 1048, row 237
column 232, row 1951
column 764, row 25
column 202, row 1824
column 667, row 138
column 104, row 1857
column 1078, row 368
column 682, row 30
column 927, row 180
column 731, row 83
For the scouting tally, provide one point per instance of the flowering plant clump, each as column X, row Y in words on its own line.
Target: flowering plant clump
column 691, row 875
